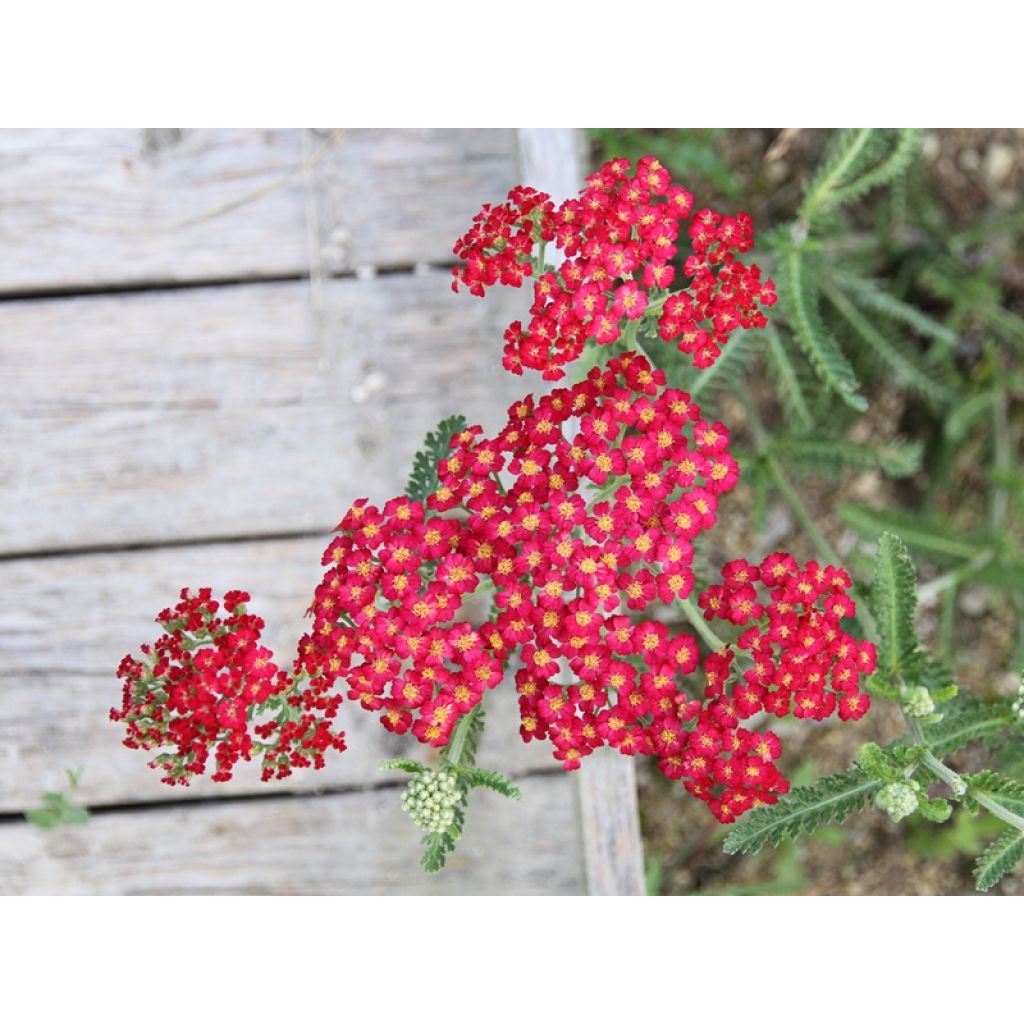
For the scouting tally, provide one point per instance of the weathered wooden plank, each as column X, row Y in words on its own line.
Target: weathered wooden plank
column 88, row 209
column 93, row 208
column 387, row 197
column 358, row 844
column 65, row 624
column 214, row 413
column 612, row 847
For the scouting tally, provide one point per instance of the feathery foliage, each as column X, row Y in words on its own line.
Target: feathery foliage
column 487, row 779
column 965, row 721
column 893, row 600
column 897, row 356
column 423, row 478
column 802, row 810
column 832, row 457
column 799, row 300
column 999, row 857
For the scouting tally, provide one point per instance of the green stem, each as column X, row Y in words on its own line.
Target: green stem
column 697, row 620
column 457, row 744
column 1002, row 460
column 792, row 499
column 957, row 784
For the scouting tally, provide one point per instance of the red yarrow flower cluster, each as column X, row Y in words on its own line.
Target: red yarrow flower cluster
column 199, row 687
column 803, row 661
column 384, row 620
column 620, row 240
column 580, row 514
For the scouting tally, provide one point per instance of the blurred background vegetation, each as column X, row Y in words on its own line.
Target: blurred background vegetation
column 888, row 393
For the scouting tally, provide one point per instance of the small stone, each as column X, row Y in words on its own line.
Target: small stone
column 999, row 161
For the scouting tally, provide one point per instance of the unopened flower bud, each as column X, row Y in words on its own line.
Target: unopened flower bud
column 898, row 799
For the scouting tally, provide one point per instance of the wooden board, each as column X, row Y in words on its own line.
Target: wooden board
column 352, row 844
column 86, row 209
column 218, row 413
column 65, row 624
column 396, row 197
column 89, row 209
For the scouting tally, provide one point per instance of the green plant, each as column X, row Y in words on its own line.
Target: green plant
column 898, row 778
column 59, row 808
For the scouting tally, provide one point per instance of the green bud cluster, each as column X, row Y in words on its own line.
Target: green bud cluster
column 917, row 702
column 430, row 800
column 898, row 799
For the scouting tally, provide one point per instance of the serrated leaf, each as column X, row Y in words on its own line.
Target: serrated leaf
column 871, row 295
column 802, row 810
column 968, row 720
column 1008, row 792
column 893, row 600
column 999, row 857
column 800, row 302
column 423, row 478
column 899, row 158
column 831, row 456
column 483, row 777
column 728, row 368
column 402, row 764
column 900, row 358
column 851, row 151
column 436, row 847
column 787, row 380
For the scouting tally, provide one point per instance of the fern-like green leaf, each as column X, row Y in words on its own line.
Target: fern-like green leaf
column 802, row 810
column 831, row 456
column 893, row 600
column 872, row 296
column 787, row 380
column 851, row 153
column 800, row 302
column 942, row 544
column 402, row 764
column 726, row 372
column 1008, row 792
column 483, row 777
column 998, row 858
column 907, row 144
column 423, row 478
column 437, row 845
column 896, row 355
column 967, row 720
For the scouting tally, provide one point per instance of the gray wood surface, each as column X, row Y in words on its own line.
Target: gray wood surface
column 396, row 197
column 350, row 844
column 65, row 624
column 88, row 209
column 92, row 208
column 231, row 412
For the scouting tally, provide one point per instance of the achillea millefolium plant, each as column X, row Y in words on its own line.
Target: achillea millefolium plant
column 580, row 518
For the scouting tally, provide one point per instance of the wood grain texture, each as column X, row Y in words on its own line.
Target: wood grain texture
column 92, row 209
column 351, row 844
column 86, row 209
column 396, row 197
column 65, row 624
column 231, row 412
